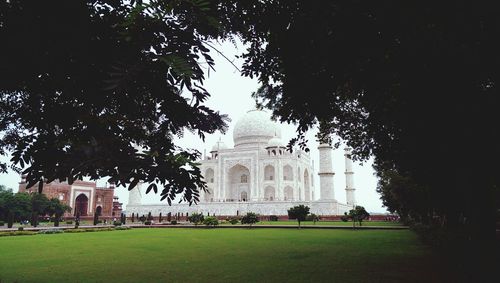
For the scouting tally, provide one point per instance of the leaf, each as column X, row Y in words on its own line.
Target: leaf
column 152, row 186
column 40, row 186
column 133, row 184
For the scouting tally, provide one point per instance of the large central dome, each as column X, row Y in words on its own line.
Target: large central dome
column 255, row 128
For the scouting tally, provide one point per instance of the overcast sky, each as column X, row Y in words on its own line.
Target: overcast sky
column 231, row 95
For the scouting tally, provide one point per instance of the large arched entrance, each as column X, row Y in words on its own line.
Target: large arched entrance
column 81, row 204
column 238, row 181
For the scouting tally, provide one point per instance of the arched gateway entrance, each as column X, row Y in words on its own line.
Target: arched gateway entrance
column 82, row 204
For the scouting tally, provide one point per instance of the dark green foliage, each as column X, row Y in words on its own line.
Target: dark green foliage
column 2, row 223
column 173, row 222
column 69, row 222
column 20, row 229
column 358, row 214
column 169, row 217
column 298, row 212
column 77, row 219
column 196, row 218
column 211, row 221
column 57, row 209
column 344, row 217
column 250, row 218
column 312, row 217
column 160, row 218
column 150, row 217
column 77, row 105
column 148, row 222
column 132, row 218
column 96, row 219
column 273, row 218
column 234, row 220
column 117, row 223
column 142, row 218
column 123, row 219
column 17, row 233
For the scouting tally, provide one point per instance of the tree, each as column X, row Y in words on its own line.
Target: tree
column 39, row 205
column 57, row 209
column 406, row 84
column 160, row 218
column 107, row 99
column 250, row 218
column 211, row 221
column 298, row 212
column 358, row 214
column 96, row 219
column 132, row 219
column 196, row 218
column 123, row 218
column 77, row 219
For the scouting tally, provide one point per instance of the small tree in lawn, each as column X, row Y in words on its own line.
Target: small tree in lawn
column 96, row 218
column 150, row 217
column 196, row 218
column 251, row 218
column 211, row 221
column 56, row 209
column 298, row 212
column 132, row 219
column 169, row 217
column 160, row 218
column 358, row 214
column 77, row 219
column 123, row 218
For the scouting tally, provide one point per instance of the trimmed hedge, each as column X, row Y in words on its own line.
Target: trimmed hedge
column 51, row 231
column 17, row 233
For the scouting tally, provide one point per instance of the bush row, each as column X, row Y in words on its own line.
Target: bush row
column 17, row 233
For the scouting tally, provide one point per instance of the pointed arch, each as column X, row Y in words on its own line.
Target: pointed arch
column 269, row 173
column 269, row 193
column 287, row 173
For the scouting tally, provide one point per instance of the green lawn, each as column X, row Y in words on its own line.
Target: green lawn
column 330, row 223
column 220, row 255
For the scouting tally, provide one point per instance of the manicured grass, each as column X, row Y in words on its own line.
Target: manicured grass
column 220, row 255
column 330, row 223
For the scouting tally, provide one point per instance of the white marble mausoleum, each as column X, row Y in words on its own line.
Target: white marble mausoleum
column 259, row 175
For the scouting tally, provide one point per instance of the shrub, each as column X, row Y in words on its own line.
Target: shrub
column 196, row 218
column 173, row 222
column 69, row 222
column 234, row 220
column 2, row 223
column 211, row 221
column 122, row 228
column 251, row 218
column 147, row 222
column 273, row 218
column 312, row 217
column 51, row 231
column 117, row 223
column 17, row 233
column 20, row 229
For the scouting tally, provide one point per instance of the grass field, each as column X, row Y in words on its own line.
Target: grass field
column 330, row 223
column 220, row 255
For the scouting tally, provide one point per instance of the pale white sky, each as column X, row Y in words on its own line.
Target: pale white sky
column 231, row 95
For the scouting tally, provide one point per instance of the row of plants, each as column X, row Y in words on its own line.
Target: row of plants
column 22, row 232
column 32, row 208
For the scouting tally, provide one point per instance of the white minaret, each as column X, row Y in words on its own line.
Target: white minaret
column 349, row 178
column 134, row 195
column 326, row 172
